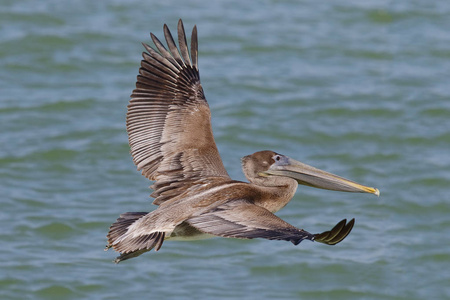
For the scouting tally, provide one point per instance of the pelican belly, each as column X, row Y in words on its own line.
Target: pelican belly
column 186, row 232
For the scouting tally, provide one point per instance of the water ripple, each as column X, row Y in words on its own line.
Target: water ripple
column 359, row 89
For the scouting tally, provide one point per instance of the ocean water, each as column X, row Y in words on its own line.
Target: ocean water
column 358, row 88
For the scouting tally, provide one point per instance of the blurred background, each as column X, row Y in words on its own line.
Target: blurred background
column 358, row 88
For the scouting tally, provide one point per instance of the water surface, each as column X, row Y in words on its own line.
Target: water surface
column 357, row 88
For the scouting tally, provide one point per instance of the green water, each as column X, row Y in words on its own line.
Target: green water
column 358, row 88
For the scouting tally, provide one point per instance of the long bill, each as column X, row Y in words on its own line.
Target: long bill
column 310, row 176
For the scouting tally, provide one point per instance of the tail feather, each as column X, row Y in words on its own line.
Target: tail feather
column 130, row 247
column 120, row 227
column 126, row 256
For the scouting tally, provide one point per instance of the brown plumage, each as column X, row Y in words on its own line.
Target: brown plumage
column 171, row 141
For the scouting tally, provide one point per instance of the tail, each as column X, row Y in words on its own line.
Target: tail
column 128, row 245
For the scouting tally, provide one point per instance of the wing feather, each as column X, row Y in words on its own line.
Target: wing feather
column 194, row 48
column 183, row 44
column 165, row 54
column 169, row 121
column 172, row 46
column 242, row 219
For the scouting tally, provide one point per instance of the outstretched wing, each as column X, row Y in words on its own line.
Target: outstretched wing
column 242, row 219
column 169, row 121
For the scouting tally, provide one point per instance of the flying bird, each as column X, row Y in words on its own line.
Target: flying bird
column 172, row 144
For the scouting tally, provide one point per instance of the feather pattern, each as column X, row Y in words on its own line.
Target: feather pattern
column 169, row 121
column 243, row 219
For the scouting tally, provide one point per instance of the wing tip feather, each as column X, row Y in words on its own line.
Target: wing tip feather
column 337, row 234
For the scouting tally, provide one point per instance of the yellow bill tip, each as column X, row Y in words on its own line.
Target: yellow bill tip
column 377, row 192
column 372, row 190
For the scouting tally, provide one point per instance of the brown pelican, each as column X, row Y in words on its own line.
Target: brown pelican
column 171, row 140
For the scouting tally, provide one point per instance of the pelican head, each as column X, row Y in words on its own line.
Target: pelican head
column 262, row 165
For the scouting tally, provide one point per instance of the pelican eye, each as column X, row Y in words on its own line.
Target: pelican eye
column 277, row 158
